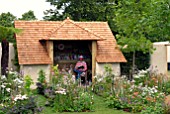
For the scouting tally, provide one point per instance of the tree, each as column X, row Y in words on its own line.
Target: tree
column 81, row 10
column 139, row 22
column 6, row 35
column 7, row 19
column 28, row 16
column 4, row 32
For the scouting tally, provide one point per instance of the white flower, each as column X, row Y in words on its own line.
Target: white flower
column 143, row 93
column 24, row 97
column 17, row 80
column 8, row 89
column 3, row 77
column 2, row 105
column 140, row 84
column 20, row 97
column 99, row 80
column 61, row 92
column 3, row 86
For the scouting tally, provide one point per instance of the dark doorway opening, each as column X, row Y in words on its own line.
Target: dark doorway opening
column 66, row 55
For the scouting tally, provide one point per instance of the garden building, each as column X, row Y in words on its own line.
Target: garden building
column 160, row 58
column 43, row 44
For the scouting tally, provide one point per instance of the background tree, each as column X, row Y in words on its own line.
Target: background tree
column 81, row 10
column 28, row 16
column 4, row 32
column 6, row 35
column 139, row 22
column 7, row 20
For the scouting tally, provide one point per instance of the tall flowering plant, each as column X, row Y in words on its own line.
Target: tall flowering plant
column 13, row 97
column 69, row 96
column 10, row 86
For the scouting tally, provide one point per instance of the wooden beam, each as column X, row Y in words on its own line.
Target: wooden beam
column 50, row 51
column 94, row 53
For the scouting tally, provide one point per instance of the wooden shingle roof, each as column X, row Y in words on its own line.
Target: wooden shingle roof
column 31, row 51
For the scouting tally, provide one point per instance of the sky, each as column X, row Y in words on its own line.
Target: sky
column 19, row 7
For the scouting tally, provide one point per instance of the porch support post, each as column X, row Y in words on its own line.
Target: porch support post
column 94, row 53
column 50, row 51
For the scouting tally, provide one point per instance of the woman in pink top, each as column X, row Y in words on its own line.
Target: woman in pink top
column 80, row 67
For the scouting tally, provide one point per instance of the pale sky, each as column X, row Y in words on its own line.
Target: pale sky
column 19, row 7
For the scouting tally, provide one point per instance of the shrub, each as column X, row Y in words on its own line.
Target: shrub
column 41, row 84
column 27, row 84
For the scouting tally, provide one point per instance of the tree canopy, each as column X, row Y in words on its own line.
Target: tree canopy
column 28, row 16
column 81, row 10
column 7, row 19
column 149, row 19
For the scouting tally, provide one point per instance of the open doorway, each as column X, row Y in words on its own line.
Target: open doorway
column 66, row 55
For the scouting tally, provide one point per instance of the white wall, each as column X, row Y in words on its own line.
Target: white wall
column 11, row 56
column 159, row 58
column 33, row 71
column 168, row 54
column 115, row 67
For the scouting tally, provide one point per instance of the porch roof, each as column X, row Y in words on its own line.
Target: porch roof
column 31, row 50
column 69, row 30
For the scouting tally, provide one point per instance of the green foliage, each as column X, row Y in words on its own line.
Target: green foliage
column 143, row 19
column 69, row 102
column 41, row 77
column 7, row 19
column 28, row 16
column 5, row 31
column 156, row 109
column 133, row 44
column 166, row 87
column 41, row 84
column 27, row 84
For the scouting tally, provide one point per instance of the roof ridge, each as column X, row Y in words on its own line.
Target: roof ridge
column 58, row 27
column 74, row 23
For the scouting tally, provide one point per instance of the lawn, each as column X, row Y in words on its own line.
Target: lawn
column 100, row 108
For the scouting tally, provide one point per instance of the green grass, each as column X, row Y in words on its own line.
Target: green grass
column 100, row 108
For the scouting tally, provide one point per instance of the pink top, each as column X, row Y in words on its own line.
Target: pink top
column 81, row 63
